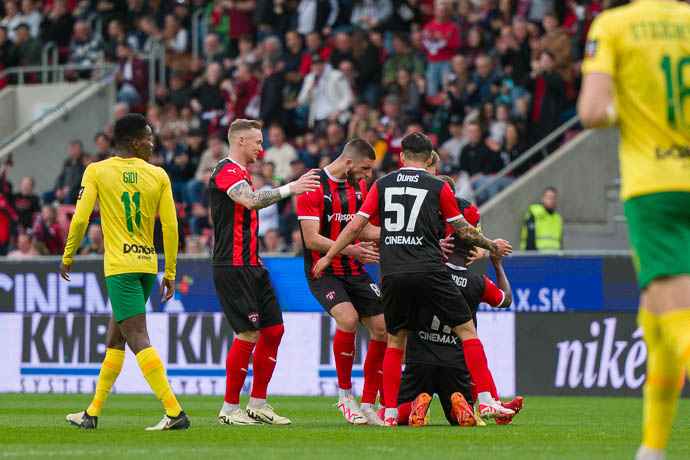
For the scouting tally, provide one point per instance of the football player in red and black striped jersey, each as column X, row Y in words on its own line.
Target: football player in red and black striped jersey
column 346, row 291
column 241, row 280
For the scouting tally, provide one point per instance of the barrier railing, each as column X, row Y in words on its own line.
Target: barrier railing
column 197, row 23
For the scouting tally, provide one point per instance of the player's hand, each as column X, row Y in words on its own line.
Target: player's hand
column 446, row 246
column 167, row 286
column 475, row 255
column 495, row 258
column 64, row 271
column 364, row 252
column 307, row 183
column 503, row 248
column 320, row 266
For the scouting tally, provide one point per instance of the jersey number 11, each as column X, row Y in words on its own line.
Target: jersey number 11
column 128, row 211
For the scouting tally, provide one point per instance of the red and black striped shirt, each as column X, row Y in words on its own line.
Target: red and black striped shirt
column 334, row 204
column 235, row 227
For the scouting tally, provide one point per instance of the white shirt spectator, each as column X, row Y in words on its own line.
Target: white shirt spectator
column 268, row 216
column 454, row 146
column 11, row 25
column 33, row 20
column 281, row 157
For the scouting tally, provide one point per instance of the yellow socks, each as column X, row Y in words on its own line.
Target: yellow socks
column 110, row 369
column 664, row 377
column 154, row 373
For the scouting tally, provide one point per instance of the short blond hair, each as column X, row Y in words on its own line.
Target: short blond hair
column 241, row 125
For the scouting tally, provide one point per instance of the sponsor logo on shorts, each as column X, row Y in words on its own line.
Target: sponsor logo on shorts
column 375, row 288
column 330, row 295
column 253, row 317
column 137, row 249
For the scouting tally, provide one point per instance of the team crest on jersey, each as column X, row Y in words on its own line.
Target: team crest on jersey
column 253, row 317
column 330, row 295
column 591, row 48
column 358, row 195
column 375, row 288
column 81, row 192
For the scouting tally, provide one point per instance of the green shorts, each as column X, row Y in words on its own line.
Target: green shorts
column 128, row 293
column 659, row 226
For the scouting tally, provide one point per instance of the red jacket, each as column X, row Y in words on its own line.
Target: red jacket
column 440, row 40
column 140, row 77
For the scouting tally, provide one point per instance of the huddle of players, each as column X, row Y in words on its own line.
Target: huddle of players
column 412, row 291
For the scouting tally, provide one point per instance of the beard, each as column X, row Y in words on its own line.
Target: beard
column 350, row 177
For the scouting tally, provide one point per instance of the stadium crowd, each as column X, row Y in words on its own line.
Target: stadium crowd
column 485, row 79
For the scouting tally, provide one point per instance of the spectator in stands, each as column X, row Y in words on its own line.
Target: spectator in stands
column 7, row 55
column 193, row 245
column 176, row 39
column 316, row 15
column 548, row 99
column 248, row 54
column 246, row 94
column 27, row 50
column 240, row 14
column 176, row 164
column 367, row 60
column 25, row 248
column 96, row 244
column 291, row 58
column 213, row 49
column 327, row 93
column 104, row 146
column 450, row 151
column 31, row 16
column 373, row 137
column 408, row 93
column 475, row 46
column 440, row 41
column 315, row 46
column 403, row 57
column 117, row 35
column 12, row 18
column 207, row 98
column 362, row 119
column 271, row 101
column 368, row 15
column 498, row 126
column 477, row 159
column 195, row 146
column 556, row 40
column 520, row 54
column 8, row 216
column 86, row 48
column 270, row 48
column 335, row 135
column 46, row 231
column 456, row 84
column 200, row 208
column 217, row 149
column 69, row 181
column 296, row 247
column 26, row 203
column 57, row 24
column 273, row 242
column 484, row 83
column 342, row 49
column 132, row 76
column 512, row 148
column 280, row 153
column 269, row 218
column 542, row 228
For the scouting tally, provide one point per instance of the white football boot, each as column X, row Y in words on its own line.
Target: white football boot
column 351, row 411
column 493, row 410
column 267, row 414
column 236, row 417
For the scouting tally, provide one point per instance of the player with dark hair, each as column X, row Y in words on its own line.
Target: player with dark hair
column 346, row 291
column 241, row 280
column 130, row 192
column 414, row 280
column 635, row 75
column 434, row 360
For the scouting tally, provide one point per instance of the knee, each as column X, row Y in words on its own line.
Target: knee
column 347, row 322
column 273, row 333
column 248, row 336
column 378, row 330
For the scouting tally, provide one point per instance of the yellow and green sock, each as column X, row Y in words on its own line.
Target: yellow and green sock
column 110, row 369
column 154, row 373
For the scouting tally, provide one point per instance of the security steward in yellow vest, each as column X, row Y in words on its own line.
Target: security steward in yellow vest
column 542, row 229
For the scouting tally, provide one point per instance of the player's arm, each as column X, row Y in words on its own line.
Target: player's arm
column 467, row 232
column 319, row 243
column 80, row 221
column 370, row 233
column 502, row 281
column 346, row 237
column 243, row 194
column 168, row 215
column 596, row 102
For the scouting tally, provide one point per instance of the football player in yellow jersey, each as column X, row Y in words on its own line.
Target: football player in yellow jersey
column 130, row 192
column 637, row 75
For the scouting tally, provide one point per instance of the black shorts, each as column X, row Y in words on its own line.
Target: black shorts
column 428, row 378
column 360, row 290
column 247, row 297
column 405, row 294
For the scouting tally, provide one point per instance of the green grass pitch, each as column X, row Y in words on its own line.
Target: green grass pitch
column 33, row 426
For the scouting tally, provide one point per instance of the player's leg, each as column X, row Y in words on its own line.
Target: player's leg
column 455, row 393
column 365, row 295
column 392, row 372
column 661, row 247
column 134, row 290
column 271, row 329
column 110, row 369
column 234, row 288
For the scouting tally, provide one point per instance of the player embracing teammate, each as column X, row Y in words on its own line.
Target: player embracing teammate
column 414, row 279
column 346, row 291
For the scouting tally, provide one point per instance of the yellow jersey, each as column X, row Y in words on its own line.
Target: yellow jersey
column 130, row 192
column 645, row 47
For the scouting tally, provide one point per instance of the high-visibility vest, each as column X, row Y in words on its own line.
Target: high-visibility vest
column 548, row 228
